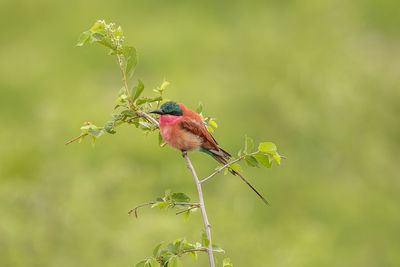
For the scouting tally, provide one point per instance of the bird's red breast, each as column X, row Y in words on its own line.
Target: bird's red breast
column 186, row 132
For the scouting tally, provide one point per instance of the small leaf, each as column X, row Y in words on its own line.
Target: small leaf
column 227, row 263
column 251, row 161
column 235, row 167
column 163, row 86
column 116, row 116
column 263, row 159
column 171, row 248
column 205, row 241
column 213, row 123
column 152, row 262
column 173, row 261
column 277, row 158
column 95, row 132
column 267, row 147
column 160, row 205
column 186, row 216
column 141, row 263
column 129, row 113
column 226, row 171
column 199, row 109
column 180, row 197
column 138, row 90
column 217, row 249
column 84, row 38
column 210, row 129
column 145, row 125
column 156, row 250
column 129, row 53
column 109, row 127
column 97, row 26
column 193, row 254
column 143, row 100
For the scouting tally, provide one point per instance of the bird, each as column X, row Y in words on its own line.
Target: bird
column 185, row 130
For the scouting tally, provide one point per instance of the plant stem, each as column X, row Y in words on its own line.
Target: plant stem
column 225, row 166
column 207, row 225
column 124, row 80
column 76, row 138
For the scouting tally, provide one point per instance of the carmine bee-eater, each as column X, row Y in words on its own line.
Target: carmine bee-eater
column 185, row 130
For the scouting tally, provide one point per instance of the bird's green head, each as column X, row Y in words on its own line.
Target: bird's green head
column 169, row 108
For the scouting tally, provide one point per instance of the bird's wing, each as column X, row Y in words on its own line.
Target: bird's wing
column 199, row 129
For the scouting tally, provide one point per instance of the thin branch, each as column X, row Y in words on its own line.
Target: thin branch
column 141, row 205
column 76, row 138
column 183, row 211
column 173, row 204
column 225, row 166
column 148, row 117
column 124, row 80
column 192, row 250
column 207, row 225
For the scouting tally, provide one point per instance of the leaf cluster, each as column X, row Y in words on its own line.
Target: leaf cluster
column 130, row 103
column 170, row 200
column 169, row 255
column 265, row 155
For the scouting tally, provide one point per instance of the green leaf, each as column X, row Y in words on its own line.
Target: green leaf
column 152, row 262
column 236, row 167
column 186, row 216
column 227, row 263
column 263, row 159
column 171, row 248
column 84, row 38
column 163, row 86
column 267, row 147
column 251, row 161
column 129, row 53
column 217, row 248
column 97, row 25
column 109, row 127
column 143, row 100
column 160, row 205
column 95, row 132
column 277, row 158
column 93, row 141
column 213, row 123
column 116, row 116
column 138, row 90
column 226, row 171
column 199, row 109
column 129, row 113
column 173, row 261
column 180, row 197
column 141, row 263
column 156, row 250
column 205, row 241
column 193, row 254
column 145, row 125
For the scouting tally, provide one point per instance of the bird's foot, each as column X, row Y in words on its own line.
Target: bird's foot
column 184, row 153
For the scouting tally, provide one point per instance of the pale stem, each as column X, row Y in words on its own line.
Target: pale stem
column 225, row 166
column 207, row 225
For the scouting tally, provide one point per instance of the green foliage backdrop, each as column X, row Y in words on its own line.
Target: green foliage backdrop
column 319, row 78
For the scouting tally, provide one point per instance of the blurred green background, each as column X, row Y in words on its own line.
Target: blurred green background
column 318, row 78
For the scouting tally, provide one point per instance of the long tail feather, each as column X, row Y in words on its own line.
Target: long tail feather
column 224, row 161
column 244, row 180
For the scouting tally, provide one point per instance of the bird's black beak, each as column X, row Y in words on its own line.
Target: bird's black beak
column 157, row 111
